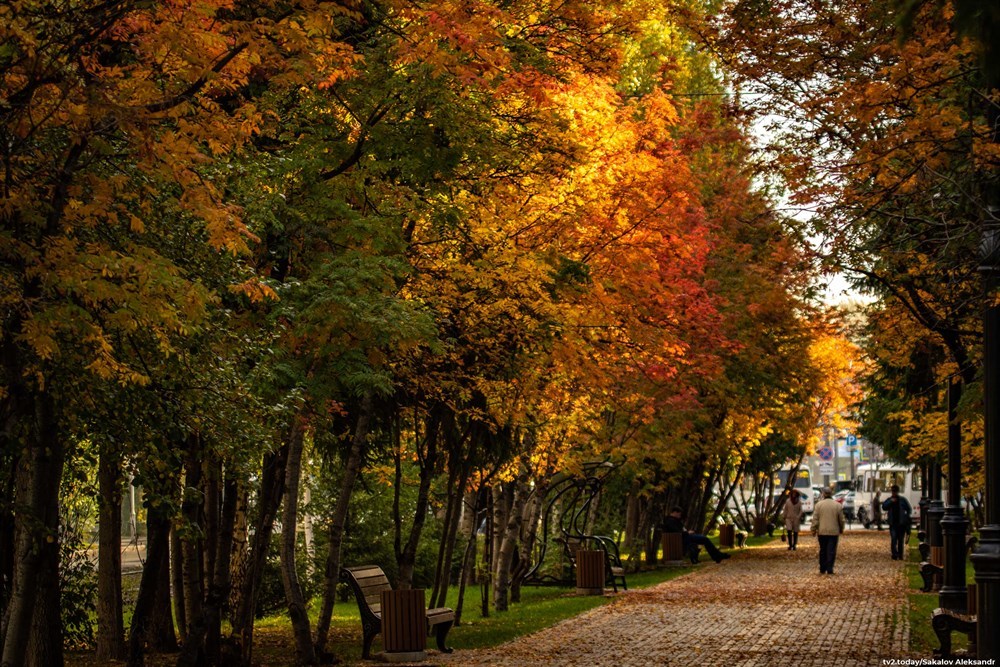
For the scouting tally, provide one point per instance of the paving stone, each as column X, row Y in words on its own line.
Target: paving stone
column 766, row 607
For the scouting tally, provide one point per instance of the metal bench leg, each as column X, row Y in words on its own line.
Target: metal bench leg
column 943, row 633
column 366, row 651
column 440, row 632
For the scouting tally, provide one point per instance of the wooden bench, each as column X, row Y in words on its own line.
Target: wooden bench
column 931, row 572
column 931, row 575
column 944, row 622
column 367, row 582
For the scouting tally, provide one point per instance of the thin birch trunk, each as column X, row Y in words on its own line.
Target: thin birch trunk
column 305, row 652
column 338, row 519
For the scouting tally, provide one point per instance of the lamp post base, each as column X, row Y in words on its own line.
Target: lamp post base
column 986, row 561
column 954, row 593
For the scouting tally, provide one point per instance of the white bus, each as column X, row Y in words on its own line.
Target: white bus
column 872, row 478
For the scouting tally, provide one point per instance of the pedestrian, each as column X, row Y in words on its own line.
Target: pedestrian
column 690, row 541
column 877, row 510
column 793, row 518
column 827, row 525
column 898, row 515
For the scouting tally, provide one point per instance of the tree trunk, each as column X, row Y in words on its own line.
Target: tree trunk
column 455, row 501
column 305, row 652
column 450, row 511
column 211, row 479
column 177, row 582
column 731, row 485
column 7, row 533
column 632, row 513
column 161, row 634
column 486, row 573
column 635, row 544
column 529, row 535
column 45, row 642
column 308, row 533
column 338, row 519
column 191, row 546
column 511, row 536
column 503, row 495
column 469, row 517
column 206, row 630
column 110, row 626
column 407, row 556
column 468, row 573
column 272, row 488
column 36, row 566
column 157, row 540
column 240, row 552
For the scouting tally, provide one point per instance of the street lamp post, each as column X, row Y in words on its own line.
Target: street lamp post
column 986, row 559
column 935, row 512
column 925, row 494
column 954, row 593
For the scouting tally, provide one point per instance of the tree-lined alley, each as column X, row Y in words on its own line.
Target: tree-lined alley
column 383, row 270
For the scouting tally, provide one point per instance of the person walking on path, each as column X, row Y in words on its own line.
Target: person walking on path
column 828, row 525
column 877, row 510
column 898, row 515
column 793, row 518
column 689, row 540
column 734, row 615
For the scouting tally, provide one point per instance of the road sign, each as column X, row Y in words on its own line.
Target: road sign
column 825, row 453
column 826, row 467
column 852, row 442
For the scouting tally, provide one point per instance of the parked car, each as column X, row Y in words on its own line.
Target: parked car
column 846, row 498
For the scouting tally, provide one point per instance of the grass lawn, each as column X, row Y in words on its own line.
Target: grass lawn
column 923, row 641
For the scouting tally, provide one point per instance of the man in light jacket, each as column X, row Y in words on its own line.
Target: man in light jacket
column 827, row 524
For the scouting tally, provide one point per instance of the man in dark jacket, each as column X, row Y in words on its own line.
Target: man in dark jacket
column 898, row 512
column 673, row 524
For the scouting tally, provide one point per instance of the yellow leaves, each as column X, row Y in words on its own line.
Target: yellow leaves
column 40, row 337
column 106, row 366
column 255, row 290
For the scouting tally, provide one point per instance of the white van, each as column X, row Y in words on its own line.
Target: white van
column 880, row 477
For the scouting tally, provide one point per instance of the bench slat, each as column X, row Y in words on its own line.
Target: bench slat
column 375, row 593
column 440, row 615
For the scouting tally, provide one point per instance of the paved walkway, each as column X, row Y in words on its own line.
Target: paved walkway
column 766, row 607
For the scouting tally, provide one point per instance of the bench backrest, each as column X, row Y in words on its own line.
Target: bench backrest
column 368, row 582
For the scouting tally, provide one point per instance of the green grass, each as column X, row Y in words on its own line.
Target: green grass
column 923, row 641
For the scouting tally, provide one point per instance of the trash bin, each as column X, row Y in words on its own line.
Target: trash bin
column 673, row 547
column 759, row 525
column 727, row 535
column 404, row 625
column 590, row 572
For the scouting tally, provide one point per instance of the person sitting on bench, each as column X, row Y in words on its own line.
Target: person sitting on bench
column 673, row 524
